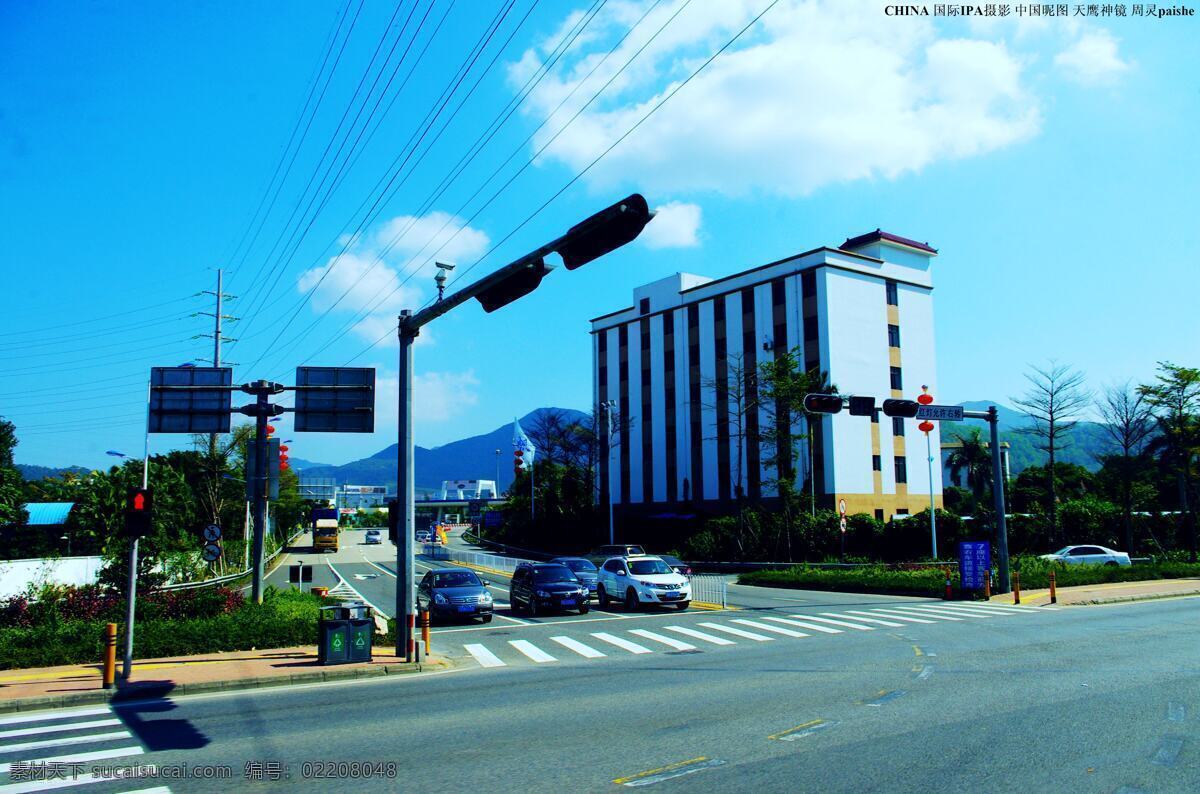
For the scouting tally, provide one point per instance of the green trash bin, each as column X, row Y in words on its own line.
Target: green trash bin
column 345, row 633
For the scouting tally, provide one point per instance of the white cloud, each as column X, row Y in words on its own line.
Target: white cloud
column 675, row 225
column 818, row 93
column 437, row 397
column 1092, row 59
column 390, row 268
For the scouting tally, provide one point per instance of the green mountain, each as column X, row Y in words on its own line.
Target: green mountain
column 1086, row 442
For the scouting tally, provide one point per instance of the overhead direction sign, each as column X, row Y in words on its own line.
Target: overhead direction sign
column 943, row 413
column 181, row 403
column 335, row 400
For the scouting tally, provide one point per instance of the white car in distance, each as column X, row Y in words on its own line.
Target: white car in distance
column 641, row 579
column 1089, row 555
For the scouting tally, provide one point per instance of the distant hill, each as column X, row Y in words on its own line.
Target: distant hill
column 1087, row 440
column 466, row 459
column 31, row 472
column 300, row 464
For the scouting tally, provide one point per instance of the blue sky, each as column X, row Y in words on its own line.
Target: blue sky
column 1051, row 161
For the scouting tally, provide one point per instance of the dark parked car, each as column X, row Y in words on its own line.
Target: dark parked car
column 585, row 571
column 542, row 587
column 677, row 565
column 454, row 592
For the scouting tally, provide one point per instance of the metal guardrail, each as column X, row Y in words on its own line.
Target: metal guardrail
column 475, row 558
column 709, row 588
column 233, row 576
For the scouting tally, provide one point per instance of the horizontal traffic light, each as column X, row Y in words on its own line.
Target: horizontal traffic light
column 513, row 285
column 604, row 232
column 862, row 406
column 822, row 403
column 905, row 409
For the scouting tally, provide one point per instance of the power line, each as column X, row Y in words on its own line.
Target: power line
column 59, row 326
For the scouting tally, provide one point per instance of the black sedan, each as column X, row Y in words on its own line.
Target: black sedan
column 454, row 593
column 585, row 571
column 547, row 586
column 677, row 565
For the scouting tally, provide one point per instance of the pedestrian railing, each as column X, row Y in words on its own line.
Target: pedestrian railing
column 472, row 558
column 708, row 589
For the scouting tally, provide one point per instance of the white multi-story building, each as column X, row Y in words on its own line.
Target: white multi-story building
column 862, row 312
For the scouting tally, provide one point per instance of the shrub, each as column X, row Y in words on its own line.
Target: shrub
column 873, row 579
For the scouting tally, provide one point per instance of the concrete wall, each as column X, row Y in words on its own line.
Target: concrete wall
column 17, row 575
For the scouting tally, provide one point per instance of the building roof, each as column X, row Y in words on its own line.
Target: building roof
column 878, row 235
column 48, row 513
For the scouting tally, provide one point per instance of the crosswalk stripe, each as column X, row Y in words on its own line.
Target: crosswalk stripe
column 77, row 758
column 856, row 626
column 995, row 608
column 700, row 635
column 678, row 645
column 485, row 657
column 66, row 740
column 46, row 785
column 578, row 647
column 812, row 626
column 922, row 612
column 624, row 644
column 65, row 714
column 965, row 610
column 71, row 726
column 532, row 651
column 155, row 790
column 895, row 615
column 754, row 624
column 867, row 620
column 942, row 612
column 749, row 635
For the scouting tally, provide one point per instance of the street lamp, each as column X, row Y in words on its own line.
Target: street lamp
column 607, row 406
column 584, row 242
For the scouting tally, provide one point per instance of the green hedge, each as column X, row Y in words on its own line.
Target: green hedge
column 284, row 619
column 1035, row 572
column 873, row 579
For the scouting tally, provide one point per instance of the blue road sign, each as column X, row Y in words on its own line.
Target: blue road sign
column 974, row 564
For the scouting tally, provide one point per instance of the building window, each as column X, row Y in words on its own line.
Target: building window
column 879, row 514
column 811, row 328
column 893, row 296
column 901, row 511
column 901, row 470
column 644, row 306
column 893, row 336
column 897, row 380
column 897, row 426
column 808, row 284
column 876, row 463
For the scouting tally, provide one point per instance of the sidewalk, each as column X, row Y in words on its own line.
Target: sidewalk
column 52, row 687
column 1112, row 593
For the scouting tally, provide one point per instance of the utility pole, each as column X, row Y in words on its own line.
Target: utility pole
column 127, row 658
column 607, row 407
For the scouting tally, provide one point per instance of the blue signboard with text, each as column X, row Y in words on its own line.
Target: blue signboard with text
column 974, row 564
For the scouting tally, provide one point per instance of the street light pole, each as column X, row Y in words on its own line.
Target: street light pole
column 993, row 419
column 932, row 509
column 607, row 405
column 405, row 494
column 127, row 657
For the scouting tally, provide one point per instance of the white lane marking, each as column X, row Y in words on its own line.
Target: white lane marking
column 44, row 743
column 66, row 782
column 942, row 612
column 700, row 635
column 749, row 635
column 578, row 647
column 342, row 582
column 764, row 627
column 482, row 655
column 532, row 651
column 678, row 645
column 994, row 608
column 78, row 758
column 65, row 714
column 925, row 613
column 844, row 624
column 155, row 790
column 925, row 672
column 624, row 644
column 72, row 726
column 674, row 773
column 803, row 625
column 893, row 615
column 864, row 620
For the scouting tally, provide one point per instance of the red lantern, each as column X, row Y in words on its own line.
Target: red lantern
column 925, row 427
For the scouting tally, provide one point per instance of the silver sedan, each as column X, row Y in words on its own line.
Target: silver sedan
column 1089, row 555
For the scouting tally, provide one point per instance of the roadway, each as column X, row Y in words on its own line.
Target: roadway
column 922, row 696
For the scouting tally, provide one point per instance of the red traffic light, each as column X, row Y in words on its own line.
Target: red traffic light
column 925, row 427
column 139, row 502
column 822, row 403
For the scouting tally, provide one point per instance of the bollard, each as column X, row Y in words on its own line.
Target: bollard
column 110, row 655
column 425, row 629
column 1016, row 587
column 1053, row 593
column 949, row 592
column 987, row 586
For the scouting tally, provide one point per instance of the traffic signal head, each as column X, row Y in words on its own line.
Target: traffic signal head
column 822, row 403
column 516, row 284
column 906, row 409
column 862, row 406
column 606, row 231
column 139, row 511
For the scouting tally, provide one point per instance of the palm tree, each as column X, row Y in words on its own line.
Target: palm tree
column 973, row 459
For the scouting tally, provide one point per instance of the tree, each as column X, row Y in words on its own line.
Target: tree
column 972, row 460
column 1054, row 401
column 12, row 484
column 737, row 393
column 1127, row 422
column 1174, row 400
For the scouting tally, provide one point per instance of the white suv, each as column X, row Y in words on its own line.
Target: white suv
column 641, row 579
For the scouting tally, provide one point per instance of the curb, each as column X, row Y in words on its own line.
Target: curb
column 1130, row 599
column 204, row 687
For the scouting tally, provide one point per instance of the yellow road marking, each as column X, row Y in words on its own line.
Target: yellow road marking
column 707, row 605
column 661, row 769
column 917, row 650
column 809, row 724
